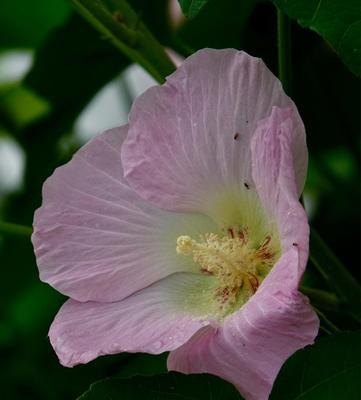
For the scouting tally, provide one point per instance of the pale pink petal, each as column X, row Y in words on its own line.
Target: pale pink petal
column 152, row 320
column 277, row 140
column 95, row 238
column 253, row 343
column 189, row 139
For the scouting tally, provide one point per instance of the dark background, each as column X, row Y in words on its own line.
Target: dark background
column 72, row 63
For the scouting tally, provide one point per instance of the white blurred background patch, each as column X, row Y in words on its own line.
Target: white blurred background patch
column 108, row 108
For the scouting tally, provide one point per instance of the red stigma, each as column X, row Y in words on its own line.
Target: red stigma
column 231, row 233
column 253, row 281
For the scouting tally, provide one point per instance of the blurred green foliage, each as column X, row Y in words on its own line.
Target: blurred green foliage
column 72, row 62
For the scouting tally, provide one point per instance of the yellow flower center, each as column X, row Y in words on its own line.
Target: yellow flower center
column 237, row 263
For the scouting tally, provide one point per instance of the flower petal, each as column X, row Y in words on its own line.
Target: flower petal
column 251, row 346
column 153, row 320
column 279, row 155
column 190, row 138
column 95, row 238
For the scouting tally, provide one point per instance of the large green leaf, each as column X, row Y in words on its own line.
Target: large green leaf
column 171, row 386
column 328, row 370
column 337, row 21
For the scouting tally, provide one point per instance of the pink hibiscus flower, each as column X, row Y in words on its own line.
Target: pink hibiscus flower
column 182, row 231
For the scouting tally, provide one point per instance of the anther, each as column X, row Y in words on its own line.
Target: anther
column 184, row 245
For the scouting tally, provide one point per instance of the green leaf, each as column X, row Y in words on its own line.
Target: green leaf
column 20, row 106
column 27, row 23
column 337, row 21
column 191, row 8
column 171, row 386
column 328, row 370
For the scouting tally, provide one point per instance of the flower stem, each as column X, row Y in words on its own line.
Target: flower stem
column 284, row 50
column 124, row 28
column 325, row 323
column 8, row 229
column 321, row 298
